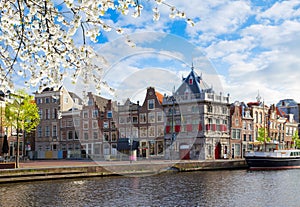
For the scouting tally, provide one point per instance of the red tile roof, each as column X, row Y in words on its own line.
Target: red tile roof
column 159, row 97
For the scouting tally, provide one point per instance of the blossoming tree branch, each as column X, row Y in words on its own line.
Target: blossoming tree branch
column 37, row 37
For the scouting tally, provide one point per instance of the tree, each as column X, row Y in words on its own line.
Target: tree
column 37, row 37
column 296, row 139
column 22, row 114
column 262, row 135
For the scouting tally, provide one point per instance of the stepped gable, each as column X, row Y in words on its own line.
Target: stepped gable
column 193, row 83
column 100, row 102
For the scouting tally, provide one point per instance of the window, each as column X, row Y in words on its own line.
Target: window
column 151, row 104
column 105, row 125
column 224, row 110
column 70, row 134
column 86, row 135
column 54, row 130
column 95, row 113
column 143, row 118
column 47, row 115
column 47, row 100
column 40, row 131
column 113, row 124
column 151, row 131
column 159, row 117
column 70, row 123
column 114, row 137
column 236, row 122
column 235, row 133
column 237, row 150
column 64, row 147
column 95, row 135
column 151, row 118
column 121, row 120
column 97, row 148
column 66, row 100
column 191, row 81
column 76, row 136
column 54, row 114
column 39, row 101
column 77, row 147
column 209, row 109
column 95, row 124
column 47, row 131
column 41, row 113
column 245, row 137
column 76, row 122
column 135, row 119
column 106, row 137
column 109, row 114
column 85, row 114
column 143, row 132
column 244, row 125
column 160, row 130
column 85, row 125
column 90, row 102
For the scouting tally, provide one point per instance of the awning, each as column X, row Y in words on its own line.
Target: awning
column 125, row 144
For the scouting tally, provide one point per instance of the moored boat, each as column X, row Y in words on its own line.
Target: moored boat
column 273, row 160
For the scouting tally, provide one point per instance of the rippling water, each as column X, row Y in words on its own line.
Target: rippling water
column 205, row 188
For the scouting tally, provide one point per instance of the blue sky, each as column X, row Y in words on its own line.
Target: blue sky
column 252, row 46
column 239, row 46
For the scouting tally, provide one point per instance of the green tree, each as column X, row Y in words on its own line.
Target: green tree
column 296, row 139
column 22, row 114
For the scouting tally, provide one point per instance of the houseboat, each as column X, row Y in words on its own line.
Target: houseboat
column 273, row 160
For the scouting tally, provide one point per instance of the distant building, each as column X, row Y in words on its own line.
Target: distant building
column 236, row 127
column 289, row 106
column 52, row 104
column 197, row 121
column 151, row 125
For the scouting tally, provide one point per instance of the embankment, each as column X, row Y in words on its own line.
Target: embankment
column 113, row 169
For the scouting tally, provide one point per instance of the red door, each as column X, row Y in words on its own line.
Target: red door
column 218, row 151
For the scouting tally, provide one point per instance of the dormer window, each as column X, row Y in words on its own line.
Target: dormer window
column 191, row 81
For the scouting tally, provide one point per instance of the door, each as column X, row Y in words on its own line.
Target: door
column 218, row 151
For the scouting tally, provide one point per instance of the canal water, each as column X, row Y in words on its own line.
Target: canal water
column 204, row 188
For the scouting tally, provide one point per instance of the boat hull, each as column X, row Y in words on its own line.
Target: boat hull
column 270, row 163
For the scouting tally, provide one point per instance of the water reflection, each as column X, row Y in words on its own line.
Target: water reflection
column 207, row 188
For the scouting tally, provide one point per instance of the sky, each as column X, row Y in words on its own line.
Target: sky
column 239, row 47
column 252, row 46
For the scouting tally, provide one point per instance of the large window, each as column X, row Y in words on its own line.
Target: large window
column 151, row 131
column 151, row 118
column 143, row 132
column 159, row 117
column 143, row 118
column 236, row 134
column 160, row 131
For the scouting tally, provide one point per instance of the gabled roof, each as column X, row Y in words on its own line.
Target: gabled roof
column 193, row 83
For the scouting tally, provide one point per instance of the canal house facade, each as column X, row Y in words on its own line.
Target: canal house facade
column 197, row 121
